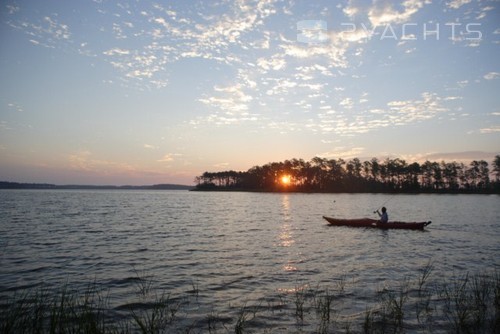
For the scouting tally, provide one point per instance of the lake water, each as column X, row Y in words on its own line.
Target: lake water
column 233, row 250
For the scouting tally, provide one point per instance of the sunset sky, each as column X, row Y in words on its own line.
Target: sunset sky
column 147, row 92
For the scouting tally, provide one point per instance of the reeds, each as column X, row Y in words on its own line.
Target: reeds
column 471, row 303
column 463, row 304
column 65, row 311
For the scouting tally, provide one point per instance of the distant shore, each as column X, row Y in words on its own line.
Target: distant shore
column 49, row 186
column 17, row 185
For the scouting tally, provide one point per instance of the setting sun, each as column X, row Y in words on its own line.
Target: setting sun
column 285, row 179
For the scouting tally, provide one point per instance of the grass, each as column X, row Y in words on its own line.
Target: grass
column 463, row 304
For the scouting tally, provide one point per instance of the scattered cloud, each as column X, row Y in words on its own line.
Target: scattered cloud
column 15, row 107
column 347, row 103
column 221, row 165
column 169, row 157
column 383, row 12
column 230, row 104
column 274, row 63
column 464, row 156
column 491, row 129
column 85, row 161
column 48, row 31
column 343, row 153
column 396, row 113
column 491, row 75
column 261, row 76
column 403, row 112
column 455, row 4
column 116, row 51
column 4, row 125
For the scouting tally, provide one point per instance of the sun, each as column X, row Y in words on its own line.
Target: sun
column 285, row 180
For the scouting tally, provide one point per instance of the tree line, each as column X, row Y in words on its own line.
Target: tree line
column 339, row 175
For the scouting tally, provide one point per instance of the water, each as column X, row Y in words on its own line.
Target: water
column 236, row 249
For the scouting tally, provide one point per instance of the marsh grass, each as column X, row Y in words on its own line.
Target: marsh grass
column 241, row 321
column 157, row 316
column 471, row 303
column 464, row 304
column 324, row 309
column 394, row 303
column 143, row 282
column 299, row 301
column 64, row 311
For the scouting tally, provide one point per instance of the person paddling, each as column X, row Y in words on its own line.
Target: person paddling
column 384, row 217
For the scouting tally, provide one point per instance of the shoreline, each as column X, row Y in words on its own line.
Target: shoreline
column 6, row 185
column 48, row 186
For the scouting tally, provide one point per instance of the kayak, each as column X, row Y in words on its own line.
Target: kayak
column 374, row 223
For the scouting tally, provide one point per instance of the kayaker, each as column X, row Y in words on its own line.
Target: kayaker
column 384, row 217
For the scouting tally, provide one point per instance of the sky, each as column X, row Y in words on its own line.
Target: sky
column 146, row 92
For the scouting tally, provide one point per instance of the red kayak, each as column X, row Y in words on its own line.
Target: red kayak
column 367, row 222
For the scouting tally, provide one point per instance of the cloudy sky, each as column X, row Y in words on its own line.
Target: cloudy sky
column 145, row 92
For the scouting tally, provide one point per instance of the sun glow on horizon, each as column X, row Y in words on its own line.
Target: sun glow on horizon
column 285, row 180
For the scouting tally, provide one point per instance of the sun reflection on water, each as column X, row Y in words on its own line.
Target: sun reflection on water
column 286, row 236
column 290, row 267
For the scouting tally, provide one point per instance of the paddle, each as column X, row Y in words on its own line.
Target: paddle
column 384, row 203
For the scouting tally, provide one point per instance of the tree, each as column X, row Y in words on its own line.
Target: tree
column 496, row 168
column 337, row 175
column 451, row 174
column 478, row 175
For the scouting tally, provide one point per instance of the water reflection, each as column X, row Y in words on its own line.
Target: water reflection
column 286, row 234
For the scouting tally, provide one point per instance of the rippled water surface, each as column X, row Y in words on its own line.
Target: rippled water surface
column 235, row 249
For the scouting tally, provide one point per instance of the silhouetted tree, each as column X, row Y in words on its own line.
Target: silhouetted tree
column 496, row 168
column 337, row 175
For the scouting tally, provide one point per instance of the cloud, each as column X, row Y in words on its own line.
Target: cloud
column 11, row 9
column 280, row 86
column 80, row 160
column 343, row 153
column 169, row 157
column 351, row 9
column 15, row 106
column 491, row 129
column 464, row 156
column 455, row 4
column 275, row 63
column 47, row 31
column 403, row 112
column 146, row 44
column 356, row 119
column 383, row 12
column 347, row 103
column 230, row 99
column 4, row 125
column 334, row 52
column 116, row 51
column 491, row 75
column 221, row 165
column 309, row 72
column 84, row 161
